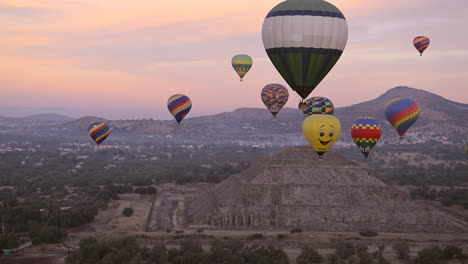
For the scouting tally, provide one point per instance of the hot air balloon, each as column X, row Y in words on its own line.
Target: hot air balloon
column 304, row 39
column 179, row 105
column 98, row 131
column 318, row 105
column 321, row 131
column 241, row 64
column 421, row 43
column 402, row 113
column 274, row 96
column 366, row 132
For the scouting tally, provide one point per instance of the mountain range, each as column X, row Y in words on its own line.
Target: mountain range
column 440, row 119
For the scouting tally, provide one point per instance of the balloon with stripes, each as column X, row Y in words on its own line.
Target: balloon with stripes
column 304, row 39
column 179, row 105
column 98, row 131
column 402, row 113
column 421, row 43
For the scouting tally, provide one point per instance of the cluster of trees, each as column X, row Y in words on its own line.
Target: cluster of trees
column 415, row 173
column 447, row 197
column 127, row 250
column 431, row 255
column 346, row 252
column 437, row 255
column 133, row 166
column 41, row 220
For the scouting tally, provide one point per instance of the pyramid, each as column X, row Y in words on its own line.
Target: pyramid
column 293, row 188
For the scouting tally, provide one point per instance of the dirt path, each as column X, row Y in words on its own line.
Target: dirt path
column 165, row 213
column 150, row 214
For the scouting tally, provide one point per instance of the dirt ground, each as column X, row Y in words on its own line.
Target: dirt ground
column 111, row 224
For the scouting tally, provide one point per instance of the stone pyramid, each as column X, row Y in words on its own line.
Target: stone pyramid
column 293, row 188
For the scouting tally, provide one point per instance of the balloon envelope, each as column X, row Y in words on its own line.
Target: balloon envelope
column 241, row 64
column 318, row 105
column 274, row 96
column 421, row 43
column 321, row 131
column 402, row 113
column 366, row 132
column 304, row 39
column 179, row 105
column 98, row 131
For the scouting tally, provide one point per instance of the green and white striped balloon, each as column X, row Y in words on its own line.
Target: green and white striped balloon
column 304, row 39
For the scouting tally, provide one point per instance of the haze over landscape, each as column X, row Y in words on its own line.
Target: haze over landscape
column 94, row 169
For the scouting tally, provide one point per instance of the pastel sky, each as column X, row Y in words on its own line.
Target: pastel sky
column 124, row 58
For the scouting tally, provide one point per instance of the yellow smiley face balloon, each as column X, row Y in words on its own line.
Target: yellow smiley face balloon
column 322, row 131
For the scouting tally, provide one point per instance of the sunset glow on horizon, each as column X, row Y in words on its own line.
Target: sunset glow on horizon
column 118, row 59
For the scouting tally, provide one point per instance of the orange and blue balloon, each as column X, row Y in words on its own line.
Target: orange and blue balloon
column 98, row 131
column 179, row 105
column 421, row 43
column 274, row 96
column 366, row 132
column 402, row 113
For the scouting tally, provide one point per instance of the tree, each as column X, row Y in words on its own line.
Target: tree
column 127, row 212
column 309, row 255
column 344, row 249
column 402, row 250
column 430, row 255
column 9, row 240
column 53, row 234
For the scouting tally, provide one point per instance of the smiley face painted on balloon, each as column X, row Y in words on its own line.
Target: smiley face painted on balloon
column 322, row 131
column 326, row 134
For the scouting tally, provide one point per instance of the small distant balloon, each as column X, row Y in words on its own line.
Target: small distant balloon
column 179, row 105
column 98, row 131
column 274, row 96
column 421, row 43
column 366, row 132
column 321, row 131
column 402, row 113
column 241, row 64
column 318, row 105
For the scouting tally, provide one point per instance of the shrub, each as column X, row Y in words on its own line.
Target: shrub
column 334, row 259
column 127, row 212
column 402, row 250
column 281, row 236
column 368, row 233
column 256, row 236
column 53, row 234
column 295, row 230
column 146, row 190
column 344, row 249
column 450, row 252
column 430, row 255
column 309, row 255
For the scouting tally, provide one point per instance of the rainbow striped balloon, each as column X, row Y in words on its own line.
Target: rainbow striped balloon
column 179, row 105
column 421, row 43
column 366, row 132
column 98, row 131
column 402, row 113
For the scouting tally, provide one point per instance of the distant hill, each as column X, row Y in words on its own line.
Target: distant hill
column 49, row 117
column 82, row 123
column 440, row 119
